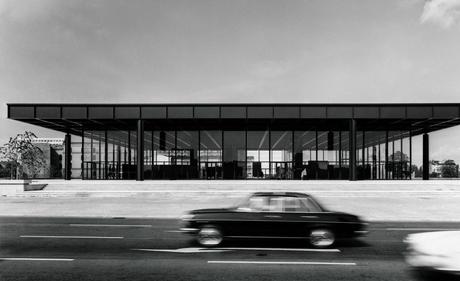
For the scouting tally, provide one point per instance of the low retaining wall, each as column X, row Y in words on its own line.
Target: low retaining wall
column 15, row 187
column 12, row 187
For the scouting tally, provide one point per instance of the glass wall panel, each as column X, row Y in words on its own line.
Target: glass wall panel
column 258, row 157
column 344, row 160
column 304, row 154
column 164, row 154
column 281, row 155
column 210, row 155
column 93, row 165
column 148, row 155
column 362, row 168
column 372, row 161
column 86, row 154
column 334, row 138
column 76, row 156
column 406, row 165
column 116, row 164
column 187, row 154
column 118, row 167
column 388, row 165
column 398, row 159
column 328, row 147
column 234, row 155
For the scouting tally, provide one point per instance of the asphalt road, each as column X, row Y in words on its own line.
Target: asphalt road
column 152, row 249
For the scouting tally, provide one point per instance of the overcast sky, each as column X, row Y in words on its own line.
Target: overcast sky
column 229, row 51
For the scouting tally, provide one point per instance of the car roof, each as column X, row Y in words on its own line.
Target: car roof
column 275, row 193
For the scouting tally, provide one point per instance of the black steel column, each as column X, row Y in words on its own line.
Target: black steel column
column 410, row 155
column 140, row 150
column 426, row 157
column 82, row 166
column 316, row 153
column 340, row 155
column 352, row 140
column 129, row 148
column 68, row 157
column 387, row 173
column 106, row 156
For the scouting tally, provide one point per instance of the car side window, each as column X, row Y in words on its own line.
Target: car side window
column 259, row 203
column 294, row 204
column 276, row 204
column 310, row 205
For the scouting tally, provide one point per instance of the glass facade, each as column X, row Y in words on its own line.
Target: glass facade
column 244, row 154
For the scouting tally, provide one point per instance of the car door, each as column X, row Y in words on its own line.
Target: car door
column 250, row 218
column 300, row 215
column 272, row 218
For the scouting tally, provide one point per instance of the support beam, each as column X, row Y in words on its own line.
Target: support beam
column 352, row 141
column 426, row 157
column 140, row 150
column 68, row 157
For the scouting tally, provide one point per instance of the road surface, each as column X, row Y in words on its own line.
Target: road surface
column 152, row 249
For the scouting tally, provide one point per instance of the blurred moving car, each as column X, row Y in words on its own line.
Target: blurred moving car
column 273, row 215
column 435, row 253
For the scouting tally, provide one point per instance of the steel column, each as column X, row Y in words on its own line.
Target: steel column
column 68, row 157
column 426, row 157
column 140, row 150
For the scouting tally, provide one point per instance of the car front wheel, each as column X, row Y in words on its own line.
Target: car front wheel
column 322, row 238
column 209, row 236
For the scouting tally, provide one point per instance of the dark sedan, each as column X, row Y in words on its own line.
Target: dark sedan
column 273, row 215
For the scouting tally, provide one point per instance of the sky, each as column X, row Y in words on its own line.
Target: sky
column 176, row 51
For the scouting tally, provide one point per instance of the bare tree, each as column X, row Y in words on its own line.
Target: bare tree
column 25, row 158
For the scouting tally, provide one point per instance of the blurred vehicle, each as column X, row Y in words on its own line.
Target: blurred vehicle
column 435, row 254
column 273, row 215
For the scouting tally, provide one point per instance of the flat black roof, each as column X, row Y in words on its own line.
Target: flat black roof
column 331, row 116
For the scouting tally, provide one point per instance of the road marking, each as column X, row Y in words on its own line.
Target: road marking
column 174, row 231
column 248, row 191
column 184, row 250
column 283, row 249
column 283, row 262
column 419, row 229
column 71, row 237
column 34, row 259
column 109, row 225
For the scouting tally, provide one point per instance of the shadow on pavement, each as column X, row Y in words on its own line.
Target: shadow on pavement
column 283, row 243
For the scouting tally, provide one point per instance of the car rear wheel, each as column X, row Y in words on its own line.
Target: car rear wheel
column 322, row 238
column 209, row 236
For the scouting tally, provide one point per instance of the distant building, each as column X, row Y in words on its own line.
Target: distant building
column 443, row 169
column 52, row 141
column 53, row 150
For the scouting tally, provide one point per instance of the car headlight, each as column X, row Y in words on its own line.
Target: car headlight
column 187, row 217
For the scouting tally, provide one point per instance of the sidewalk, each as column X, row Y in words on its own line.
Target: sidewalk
column 374, row 201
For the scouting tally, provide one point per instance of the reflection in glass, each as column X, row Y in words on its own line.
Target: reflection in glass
column 234, row 154
column 281, row 154
column 258, row 158
column 210, row 154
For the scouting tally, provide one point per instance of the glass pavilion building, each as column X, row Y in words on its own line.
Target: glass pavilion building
column 240, row 141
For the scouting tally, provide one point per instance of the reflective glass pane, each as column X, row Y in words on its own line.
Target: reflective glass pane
column 258, row 157
column 234, row 154
column 281, row 154
column 210, row 155
column 304, row 154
